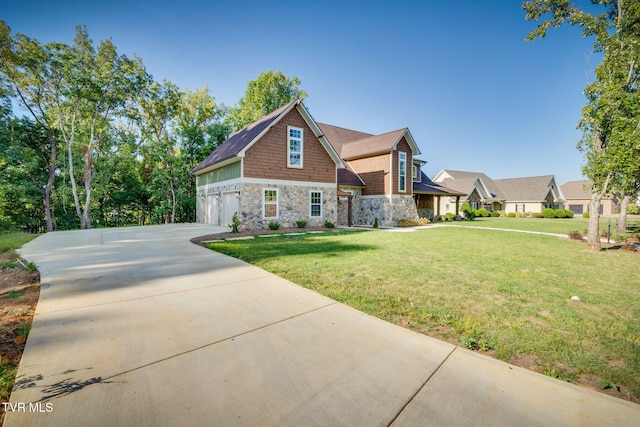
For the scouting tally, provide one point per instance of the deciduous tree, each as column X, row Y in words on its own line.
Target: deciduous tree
column 610, row 120
column 267, row 93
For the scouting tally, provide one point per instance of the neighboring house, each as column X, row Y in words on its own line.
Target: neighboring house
column 286, row 167
column 578, row 196
column 530, row 194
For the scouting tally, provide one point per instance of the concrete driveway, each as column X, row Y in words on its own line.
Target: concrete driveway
column 137, row 326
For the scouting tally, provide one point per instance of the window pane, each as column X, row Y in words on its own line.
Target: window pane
column 270, row 210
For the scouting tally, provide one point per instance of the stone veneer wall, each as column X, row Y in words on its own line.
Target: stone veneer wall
column 388, row 210
column 201, row 198
column 293, row 205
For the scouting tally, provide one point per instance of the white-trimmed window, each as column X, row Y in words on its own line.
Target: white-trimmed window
column 416, row 173
column 315, row 204
column 294, row 147
column 402, row 171
column 270, row 203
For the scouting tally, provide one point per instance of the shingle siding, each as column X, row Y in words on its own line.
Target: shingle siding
column 268, row 158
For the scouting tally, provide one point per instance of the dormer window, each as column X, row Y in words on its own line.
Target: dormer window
column 294, row 147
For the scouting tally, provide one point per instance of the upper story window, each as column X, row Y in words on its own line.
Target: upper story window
column 402, row 171
column 416, row 173
column 294, row 147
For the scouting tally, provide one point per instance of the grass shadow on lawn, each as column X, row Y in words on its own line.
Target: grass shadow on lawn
column 280, row 246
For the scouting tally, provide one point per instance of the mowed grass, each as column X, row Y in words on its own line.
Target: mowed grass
column 509, row 294
column 548, row 225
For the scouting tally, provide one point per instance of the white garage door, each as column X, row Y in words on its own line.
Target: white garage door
column 229, row 207
column 212, row 210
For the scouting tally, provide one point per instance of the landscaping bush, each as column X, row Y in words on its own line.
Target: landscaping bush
column 560, row 213
column 569, row 213
column 329, row 224
column 449, row 216
column 274, row 225
column 585, row 215
column 495, row 214
column 467, row 210
column 423, row 221
column 406, row 223
column 519, row 215
column 482, row 213
column 549, row 213
column 575, row 235
column 235, row 223
column 375, row 222
column 537, row 214
column 511, row 215
column 301, row 223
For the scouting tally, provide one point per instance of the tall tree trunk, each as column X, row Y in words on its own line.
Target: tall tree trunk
column 46, row 199
column 85, row 220
column 593, row 235
column 622, row 220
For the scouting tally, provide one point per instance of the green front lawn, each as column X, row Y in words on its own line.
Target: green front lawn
column 547, row 225
column 509, row 294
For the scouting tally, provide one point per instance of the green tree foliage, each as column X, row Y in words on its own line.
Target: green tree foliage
column 609, row 120
column 267, row 93
column 101, row 143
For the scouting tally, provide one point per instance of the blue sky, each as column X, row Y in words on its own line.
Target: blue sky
column 459, row 75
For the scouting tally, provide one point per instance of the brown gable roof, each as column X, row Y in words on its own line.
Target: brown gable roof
column 338, row 136
column 351, row 144
column 576, row 189
column 533, row 188
column 372, row 145
column 239, row 140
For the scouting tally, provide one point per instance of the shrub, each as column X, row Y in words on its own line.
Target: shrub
column 467, row 210
column 585, row 215
column 274, row 225
column 548, row 213
column 569, row 213
column 375, row 222
column 519, row 215
column 560, row 213
column 448, row 216
column 235, row 223
column 503, row 214
column 406, row 223
column 511, row 215
column 301, row 223
column 495, row 214
column 633, row 209
column 482, row 213
column 537, row 214
column 329, row 224
column 423, row 221
column 575, row 235
column 457, row 218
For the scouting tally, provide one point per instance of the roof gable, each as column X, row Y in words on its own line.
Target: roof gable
column 535, row 188
column 241, row 141
column 466, row 182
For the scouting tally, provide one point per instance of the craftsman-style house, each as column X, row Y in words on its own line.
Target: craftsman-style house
column 529, row 194
column 285, row 167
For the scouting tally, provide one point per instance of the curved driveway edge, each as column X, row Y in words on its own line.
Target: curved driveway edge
column 138, row 326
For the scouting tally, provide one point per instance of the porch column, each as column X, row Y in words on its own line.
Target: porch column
column 438, row 204
column 457, row 205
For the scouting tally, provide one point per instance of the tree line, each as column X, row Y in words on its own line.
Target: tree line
column 88, row 137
